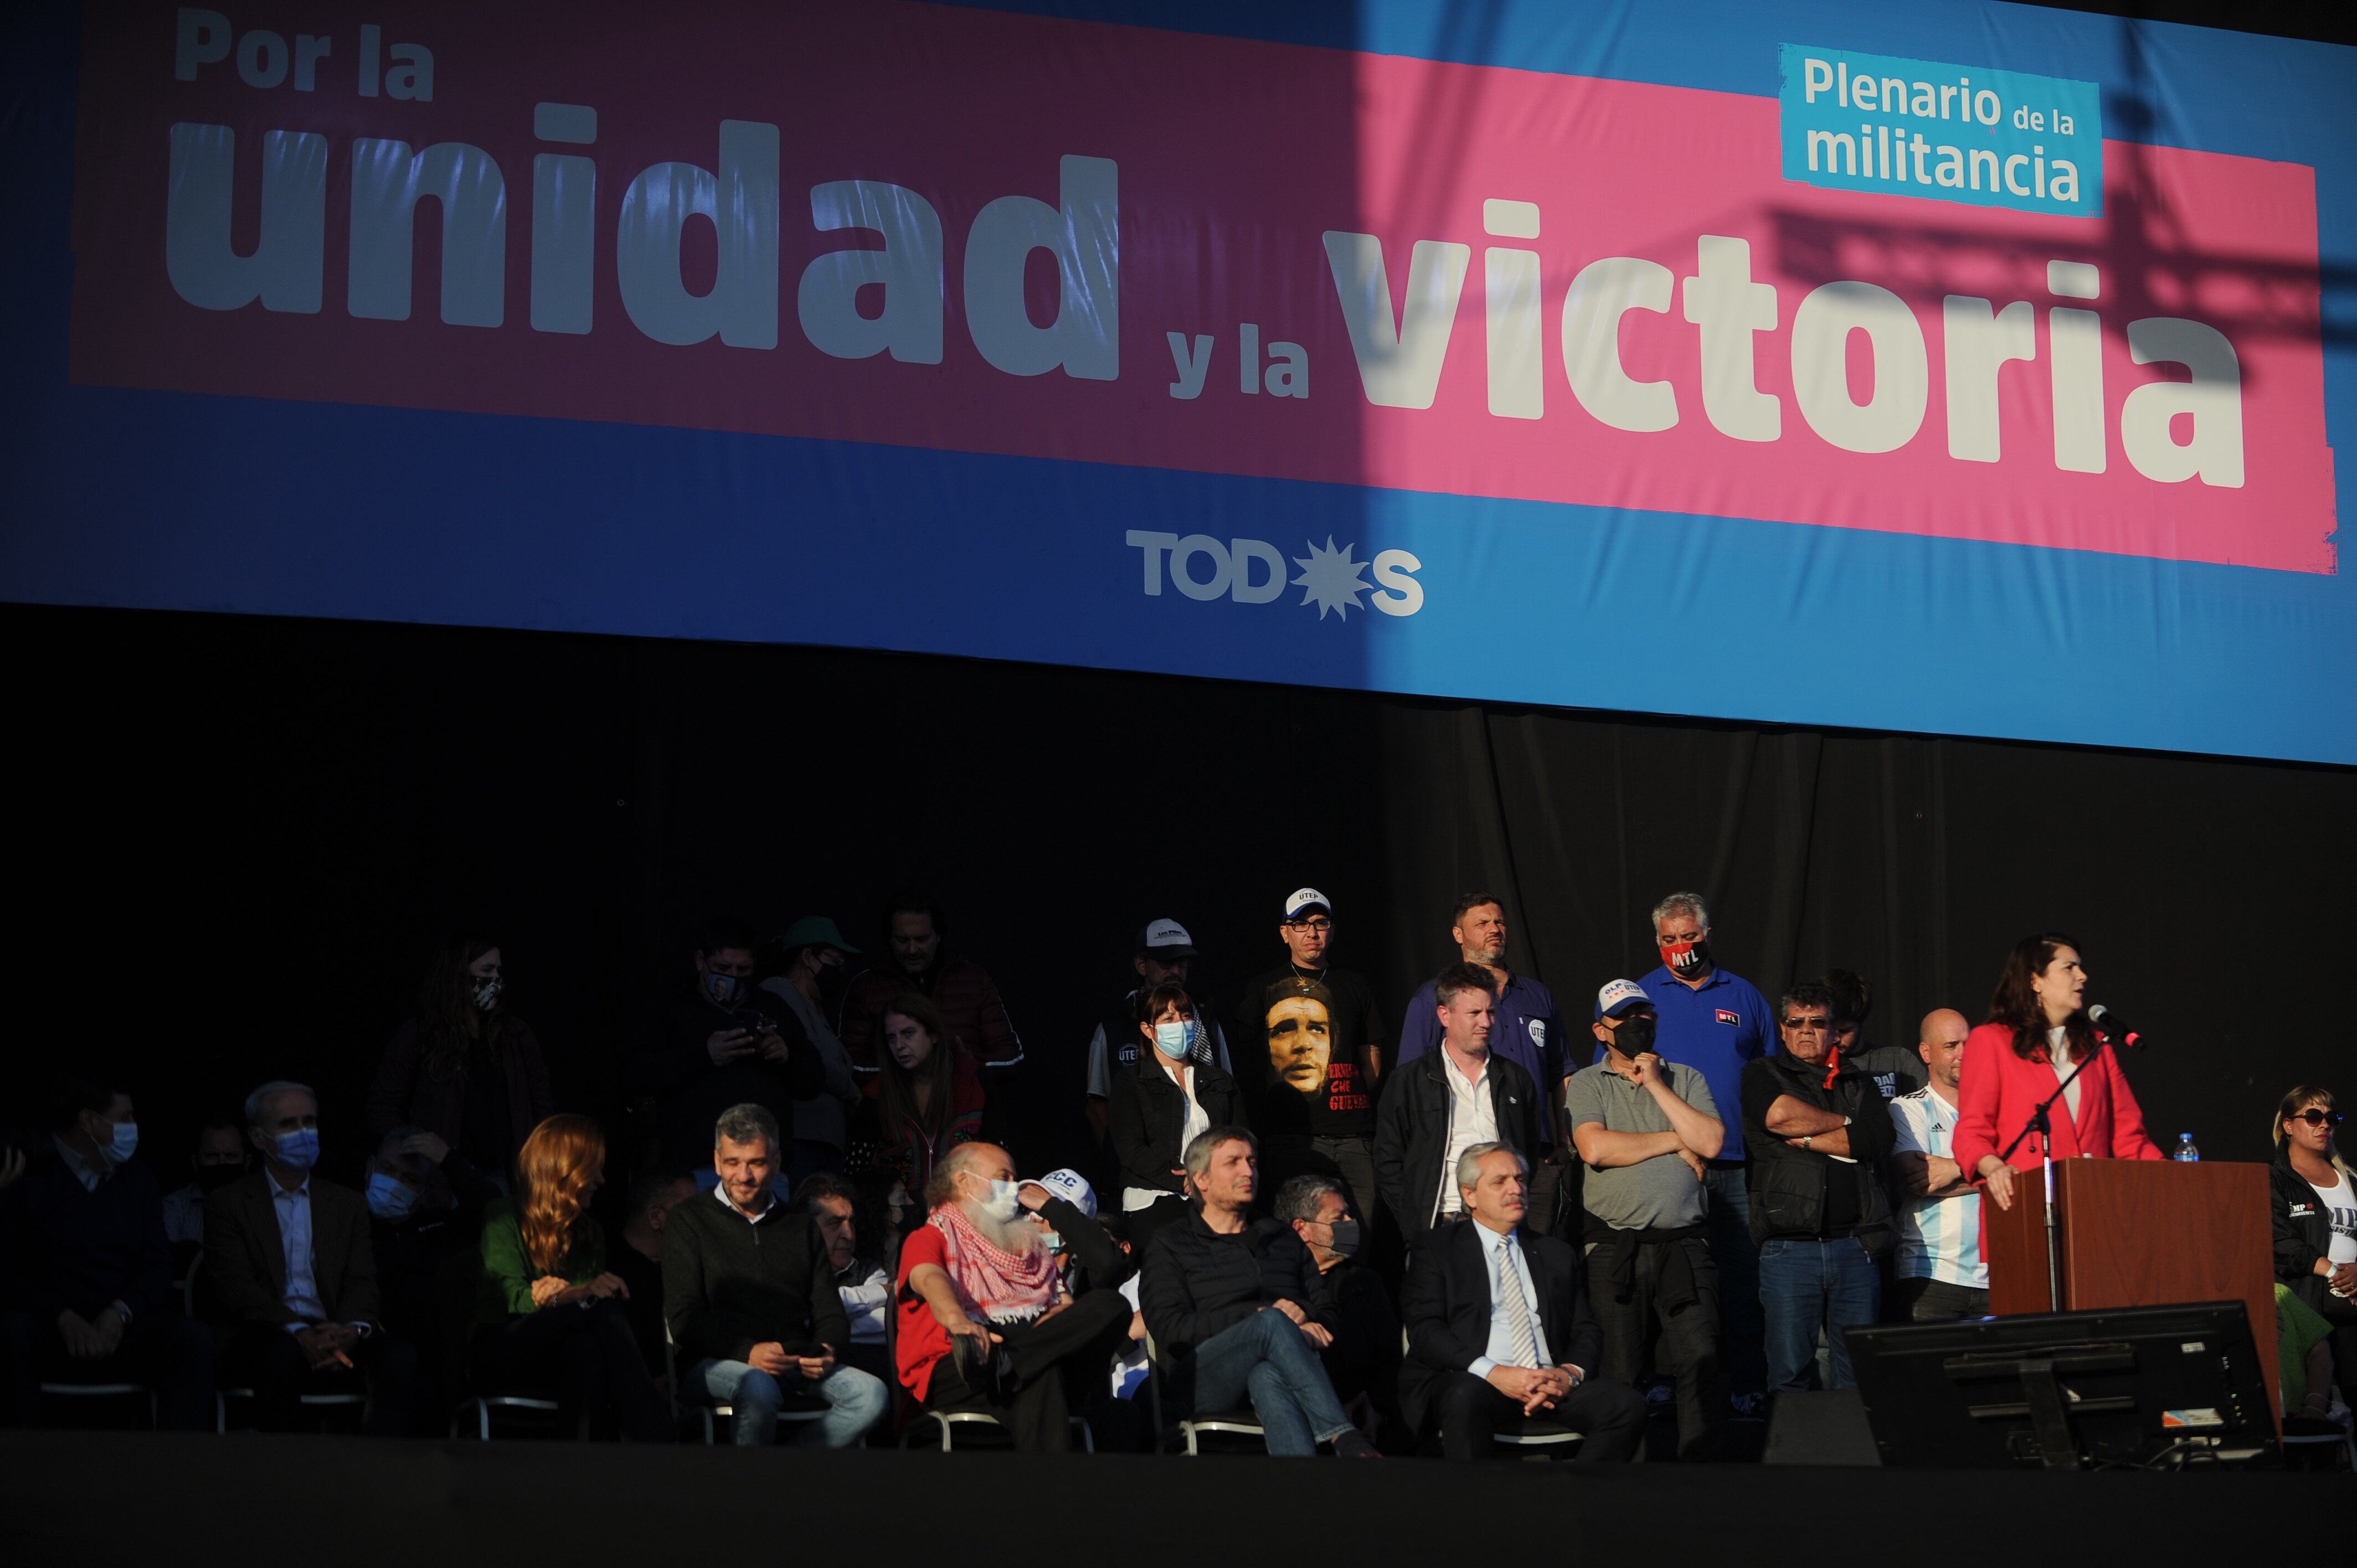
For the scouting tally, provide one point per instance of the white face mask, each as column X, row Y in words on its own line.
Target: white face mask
column 1003, row 1204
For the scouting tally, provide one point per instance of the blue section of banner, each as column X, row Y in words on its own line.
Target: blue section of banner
column 1946, row 133
column 204, row 503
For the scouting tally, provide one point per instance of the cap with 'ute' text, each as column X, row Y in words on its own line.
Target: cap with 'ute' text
column 1304, row 900
column 1618, row 996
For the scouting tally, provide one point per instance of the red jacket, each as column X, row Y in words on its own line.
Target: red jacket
column 961, row 991
column 2001, row 1089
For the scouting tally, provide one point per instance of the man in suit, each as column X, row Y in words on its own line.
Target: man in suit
column 1499, row 1330
column 1445, row 1102
column 291, row 1278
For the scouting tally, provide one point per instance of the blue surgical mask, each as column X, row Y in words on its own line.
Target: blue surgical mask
column 299, row 1150
column 124, row 1142
column 723, row 989
column 1177, row 1041
column 390, row 1198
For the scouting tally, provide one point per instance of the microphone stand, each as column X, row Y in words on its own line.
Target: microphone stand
column 2042, row 1124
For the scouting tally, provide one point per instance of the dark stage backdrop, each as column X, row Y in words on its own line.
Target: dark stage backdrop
column 236, row 838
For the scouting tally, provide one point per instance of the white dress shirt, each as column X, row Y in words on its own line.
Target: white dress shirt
column 1472, row 1118
column 294, row 1241
column 1502, row 1260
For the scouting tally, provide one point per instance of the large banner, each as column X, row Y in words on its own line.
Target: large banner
column 1969, row 369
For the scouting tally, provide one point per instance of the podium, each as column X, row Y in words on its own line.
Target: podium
column 2139, row 1234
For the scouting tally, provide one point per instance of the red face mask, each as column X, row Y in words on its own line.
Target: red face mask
column 1686, row 959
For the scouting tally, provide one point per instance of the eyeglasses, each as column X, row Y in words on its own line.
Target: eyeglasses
column 1319, row 926
column 2316, row 1116
column 1810, row 1025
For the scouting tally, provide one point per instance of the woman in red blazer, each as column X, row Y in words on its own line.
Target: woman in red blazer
column 2037, row 1031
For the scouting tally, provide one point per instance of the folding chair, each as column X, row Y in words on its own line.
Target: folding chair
column 795, row 1413
column 949, row 1421
column 78, row 1392
column 482, row 1405
column 1190, row 1430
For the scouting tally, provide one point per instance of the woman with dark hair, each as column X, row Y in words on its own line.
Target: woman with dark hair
column 2315, row 1204
column 466, row 1071
column 2038, row 1032
column 924, row 1100
column 548, row 1314
column 1169, row 1094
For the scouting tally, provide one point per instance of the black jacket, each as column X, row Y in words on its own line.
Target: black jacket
column 1148, row 1110
column 1412, row 1132
column 1097, row 1260
column 63, row 1246
column 1445, row 1301
column 2303, row 1234
column 691, row 1092
column 1198, row 1281
column 1788, row 1184
column 730, row 1282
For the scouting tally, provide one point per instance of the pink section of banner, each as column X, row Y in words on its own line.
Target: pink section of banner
column 1250, row 180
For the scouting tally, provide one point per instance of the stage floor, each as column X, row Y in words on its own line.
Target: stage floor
column 68, row 1496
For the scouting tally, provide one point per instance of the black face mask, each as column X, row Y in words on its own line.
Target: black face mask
column 1634, row 1037
column 1346, row 1237
column 213, row 1178
column 1685, row 965
column 829, row 982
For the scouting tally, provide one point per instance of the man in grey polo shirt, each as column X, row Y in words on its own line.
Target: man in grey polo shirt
column 1647, row 1131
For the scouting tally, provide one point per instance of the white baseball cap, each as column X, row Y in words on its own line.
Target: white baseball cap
column 1167, row 939
column 1071, row 1187
column 1302, row 900
column 1618, row 996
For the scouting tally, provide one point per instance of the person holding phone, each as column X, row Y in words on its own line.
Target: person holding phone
column 724, row 1042
column 549, row 1313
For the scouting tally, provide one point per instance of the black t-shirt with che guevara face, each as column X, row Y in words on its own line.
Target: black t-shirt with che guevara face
column 1301, row 1043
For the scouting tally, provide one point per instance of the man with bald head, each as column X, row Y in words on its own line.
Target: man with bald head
column 1940, row 1272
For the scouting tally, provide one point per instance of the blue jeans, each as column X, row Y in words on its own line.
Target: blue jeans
column 854, row 1402
column 1729, row 1218
column 1807, row 1286
column 1264, row 1360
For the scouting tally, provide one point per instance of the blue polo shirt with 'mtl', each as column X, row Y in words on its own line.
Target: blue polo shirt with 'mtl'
column 1714, row 1029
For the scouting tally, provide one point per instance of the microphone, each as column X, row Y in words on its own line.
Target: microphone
column 2111, row 1026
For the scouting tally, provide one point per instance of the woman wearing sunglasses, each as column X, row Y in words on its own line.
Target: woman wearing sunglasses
column 2315, row 1202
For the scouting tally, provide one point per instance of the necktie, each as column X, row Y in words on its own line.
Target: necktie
column 1520, row 1335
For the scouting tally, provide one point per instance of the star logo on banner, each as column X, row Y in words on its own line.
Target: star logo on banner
column 1330, row 580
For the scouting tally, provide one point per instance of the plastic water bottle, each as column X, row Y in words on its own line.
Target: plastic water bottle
column 2185, row 1149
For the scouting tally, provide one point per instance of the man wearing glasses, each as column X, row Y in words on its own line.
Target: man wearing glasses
column 1818, row 1131
column 1309, row 1043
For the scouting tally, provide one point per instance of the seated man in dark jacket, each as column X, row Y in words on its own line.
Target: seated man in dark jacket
column 290, row 1274
column 1443, row 1103
column 750, row 1300
column 1817, row 1131
column 1167, row 1096
column 85, row 1271
column 724, row 1043
column 1239, row 1310
column 1364, row 1361
column 1499, row 1330
column 425, row 1236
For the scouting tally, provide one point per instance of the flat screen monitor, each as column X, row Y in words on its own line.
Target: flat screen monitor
column 2128, row 1386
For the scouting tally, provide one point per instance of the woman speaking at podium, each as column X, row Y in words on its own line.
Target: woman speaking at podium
column 2037, row 1030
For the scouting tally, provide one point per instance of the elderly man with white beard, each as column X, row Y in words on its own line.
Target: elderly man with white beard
column 987, row 1322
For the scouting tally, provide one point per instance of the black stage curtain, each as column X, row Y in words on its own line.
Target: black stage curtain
column 237, row 838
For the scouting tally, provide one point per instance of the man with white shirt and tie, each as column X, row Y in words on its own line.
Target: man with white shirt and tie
column 1446, row 1101
column 1499, row 1328
column 291, row 1278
